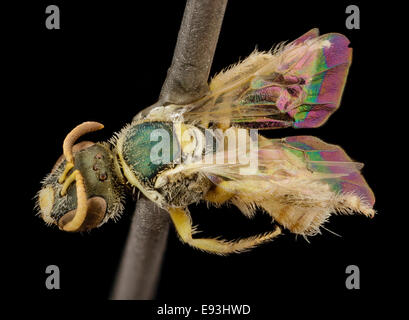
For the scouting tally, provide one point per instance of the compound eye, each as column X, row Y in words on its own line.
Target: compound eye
column 96, row 209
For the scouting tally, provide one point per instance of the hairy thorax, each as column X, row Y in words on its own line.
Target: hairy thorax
column 181, row 190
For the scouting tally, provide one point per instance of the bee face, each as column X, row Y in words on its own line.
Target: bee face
column 100, row 178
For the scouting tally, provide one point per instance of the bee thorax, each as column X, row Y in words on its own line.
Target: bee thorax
column 182, row 190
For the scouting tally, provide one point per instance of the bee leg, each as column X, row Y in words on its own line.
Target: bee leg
column 219, row 194
column 183, row 224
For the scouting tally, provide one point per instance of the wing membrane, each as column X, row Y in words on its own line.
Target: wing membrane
column 290, row 165
column 300, row 181
column 297, row 85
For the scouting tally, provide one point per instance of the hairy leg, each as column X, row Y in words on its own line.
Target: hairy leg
column 183, row 224
column 219, row 194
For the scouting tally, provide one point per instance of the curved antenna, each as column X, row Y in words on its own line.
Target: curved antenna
column 75, row 134
column 71, row 138
column 82, row 205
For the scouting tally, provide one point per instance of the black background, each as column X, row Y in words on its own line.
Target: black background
column 106, row 63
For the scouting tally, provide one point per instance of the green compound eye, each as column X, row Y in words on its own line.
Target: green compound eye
column 138, row 146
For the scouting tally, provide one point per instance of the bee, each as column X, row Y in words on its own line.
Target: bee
column 168, row 152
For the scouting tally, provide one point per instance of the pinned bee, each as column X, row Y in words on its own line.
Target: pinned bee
column 300, row 181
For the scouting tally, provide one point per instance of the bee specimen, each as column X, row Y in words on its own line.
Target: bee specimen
column 300, row 181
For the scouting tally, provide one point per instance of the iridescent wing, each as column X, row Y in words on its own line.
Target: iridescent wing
column 301, row 158
column 326, row 163
column 299, row 180
column 296, row 85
